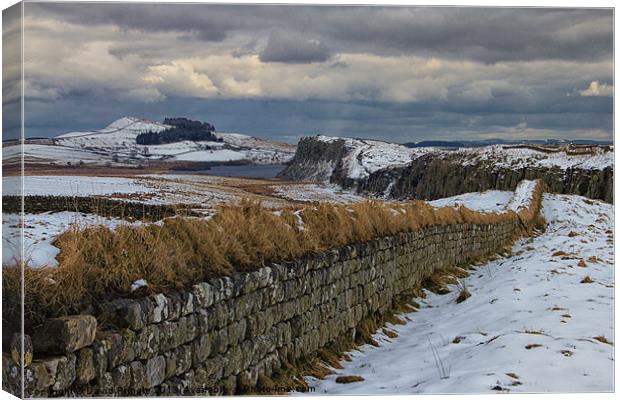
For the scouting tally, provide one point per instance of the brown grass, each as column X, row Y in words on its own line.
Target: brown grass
column 349, row 379
column 97, row 263
column 389, row 333
column 463, row 295
column 602, row 339
column 587, row 279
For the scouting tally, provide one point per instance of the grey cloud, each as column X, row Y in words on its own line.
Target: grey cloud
column 293, row 49
column 486, row 34
column 579, row 43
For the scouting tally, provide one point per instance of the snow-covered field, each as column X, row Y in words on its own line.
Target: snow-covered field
column 532, row 324
column 73, row 185
column 40, row 230
column 491, row 200
column 507, row 157
column 317, row 192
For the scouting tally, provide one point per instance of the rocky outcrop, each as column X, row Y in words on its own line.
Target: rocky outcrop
column 438, row 174
column 317, row 160
column 430, row 177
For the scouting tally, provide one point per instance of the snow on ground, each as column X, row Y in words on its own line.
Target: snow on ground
column 40, row 230
column 529, row 326
column 367, row 156
column 58, row 155
column 507, row 157
column 491, row 200
column 72, row 185
column 522, row 196
column 317, row 192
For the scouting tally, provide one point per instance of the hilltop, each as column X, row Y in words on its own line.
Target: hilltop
column 117, row 145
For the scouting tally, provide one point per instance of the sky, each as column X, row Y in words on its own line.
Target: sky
column 393, row 73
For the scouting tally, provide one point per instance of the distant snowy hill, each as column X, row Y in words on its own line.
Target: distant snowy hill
column 116, row 145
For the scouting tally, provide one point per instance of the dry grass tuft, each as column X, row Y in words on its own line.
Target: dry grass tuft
column 389, row 333
column 458, row 339
column 349, row 379
column 463, row 295
column 602, row 339
column 582, row 263
column 587, row 279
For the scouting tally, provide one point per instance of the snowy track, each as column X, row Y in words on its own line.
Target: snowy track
column 532, row 324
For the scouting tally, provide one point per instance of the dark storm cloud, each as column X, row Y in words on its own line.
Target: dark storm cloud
column 286, row 48
column 486, row 34
column 289, row 120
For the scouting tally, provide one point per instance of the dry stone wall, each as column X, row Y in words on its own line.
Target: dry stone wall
column 221, row 335
column 93, row 204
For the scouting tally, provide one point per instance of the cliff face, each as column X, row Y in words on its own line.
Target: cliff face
column 315, row 160
column 430, row 177
column 433, row 174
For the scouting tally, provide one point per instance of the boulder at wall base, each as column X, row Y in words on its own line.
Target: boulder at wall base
column 64, row 335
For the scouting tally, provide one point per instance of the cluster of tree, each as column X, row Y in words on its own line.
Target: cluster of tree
column 182, row 129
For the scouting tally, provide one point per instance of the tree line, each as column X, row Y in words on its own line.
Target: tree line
column 181, row 129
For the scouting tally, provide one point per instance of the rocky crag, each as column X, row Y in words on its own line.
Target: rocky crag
column 434, row 174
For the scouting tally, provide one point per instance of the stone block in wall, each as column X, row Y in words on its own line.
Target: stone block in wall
column 235, row 361
column 65, row 371
column 38, row 378
column 155, row 371
column 175, row 305
column 187, row 328
column 224, row 289
column 204, row 293
column 167, row 336
column 118, row 350
column 214, row 368
column 236, row 332
column 64, row 335
column 247, row 379
column 178, row 361
column 105, row 383
column 189, row 305
column 121, row 377
column 201, row 349
column 160, row 308
column 138, row 375
column 85, row 365
column 220, row 341
column 247, row 304
column 146, row 343
column 122, row 313
column 263, row 277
